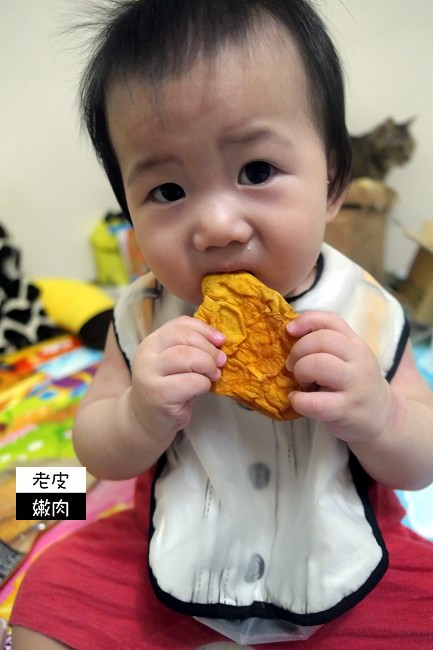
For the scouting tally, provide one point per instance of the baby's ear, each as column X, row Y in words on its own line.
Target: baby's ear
column 335, row 201
column 334, row 205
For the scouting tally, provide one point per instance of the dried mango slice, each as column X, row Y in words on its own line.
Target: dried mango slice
column 254, row 319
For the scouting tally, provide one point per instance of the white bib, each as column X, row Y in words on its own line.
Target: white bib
column 256, row 518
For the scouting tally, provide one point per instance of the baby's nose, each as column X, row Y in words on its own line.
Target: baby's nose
column 220, row 226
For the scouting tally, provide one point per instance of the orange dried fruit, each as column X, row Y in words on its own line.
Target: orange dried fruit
column 253, row 318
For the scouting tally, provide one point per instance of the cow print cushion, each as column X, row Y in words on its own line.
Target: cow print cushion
column 23, row 320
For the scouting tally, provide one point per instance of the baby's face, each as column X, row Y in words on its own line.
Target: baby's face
column 225, row 170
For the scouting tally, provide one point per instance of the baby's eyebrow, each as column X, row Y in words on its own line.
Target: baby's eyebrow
column 253, row 136
column 147, row 163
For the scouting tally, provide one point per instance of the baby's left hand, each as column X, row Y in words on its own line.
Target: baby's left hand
column 347, row 388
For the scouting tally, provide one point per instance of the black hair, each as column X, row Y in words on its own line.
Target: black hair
column 159, row 39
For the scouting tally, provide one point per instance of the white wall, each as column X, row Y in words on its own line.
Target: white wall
column 52, row 191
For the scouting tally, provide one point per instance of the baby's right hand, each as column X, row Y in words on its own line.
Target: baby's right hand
column 174, row 364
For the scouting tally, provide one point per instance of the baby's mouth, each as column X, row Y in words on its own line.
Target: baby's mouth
column 231, row 270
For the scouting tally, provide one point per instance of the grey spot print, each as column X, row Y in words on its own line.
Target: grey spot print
column 256, row 568
column 260, row 475
column 246, row 408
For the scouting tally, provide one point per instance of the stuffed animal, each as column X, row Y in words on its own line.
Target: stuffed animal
column 77, row 307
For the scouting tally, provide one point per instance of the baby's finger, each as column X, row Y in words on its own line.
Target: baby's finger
column 327, row 341
column 321, row 370
column 312, row 321
column 181, row 388
column 319, row 405
column 188, row 331
column 186, row 359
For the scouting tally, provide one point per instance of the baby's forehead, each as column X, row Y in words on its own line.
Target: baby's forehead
column 272, row 44
column 263, row 63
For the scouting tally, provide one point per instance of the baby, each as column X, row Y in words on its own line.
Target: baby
column 220, row 124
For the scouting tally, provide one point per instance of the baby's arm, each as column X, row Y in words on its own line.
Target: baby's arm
column 388, row 426
column 127, row 420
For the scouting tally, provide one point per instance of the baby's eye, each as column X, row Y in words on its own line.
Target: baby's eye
column 256, row 172
column 167, row 193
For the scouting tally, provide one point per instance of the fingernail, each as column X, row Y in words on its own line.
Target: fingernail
column 221, row 358
column 220, row 337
